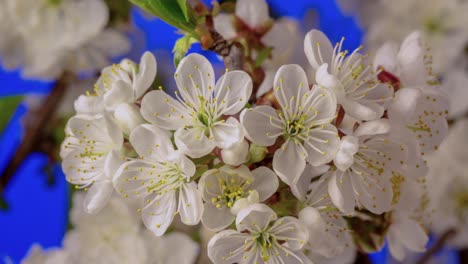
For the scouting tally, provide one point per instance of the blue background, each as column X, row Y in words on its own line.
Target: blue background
column 38, row 212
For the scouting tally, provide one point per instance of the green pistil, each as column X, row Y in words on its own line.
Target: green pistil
column 264, row 241
column 462, row 199
column 433, row 26
column 54, row 3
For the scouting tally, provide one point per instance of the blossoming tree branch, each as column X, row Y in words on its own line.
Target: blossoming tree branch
column 298, row 152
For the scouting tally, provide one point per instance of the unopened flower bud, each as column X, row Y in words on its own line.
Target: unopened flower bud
column 128, row 117
column 237, row 154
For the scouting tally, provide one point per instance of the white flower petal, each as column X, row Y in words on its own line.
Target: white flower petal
column 159, row 213
column 385, row 57
column 233, row 91
column 224, row 25
column 216, row 219
column 301, row 185
column 405, row 102
column 291, row 230
column 190, row 204
column 228, row 133
column 195, row 77
column 236, row 154
column 128, row 116
column 120, row 92
column 317, row 48
column 193, row 142
column 112, row 163
column 164, row 111
column 256, row 122
column 146, row 74
column 151, row 141
column 376, row 196
column 411, row 234
column 363, row 110
column 89, row 105
column 225, row 242
column 375, row 127
column 341, row 191
column 255, row 218
column 322, row 104
column 253, row 12
column 322, row 145
column 98, row 196
column 289, row 161
column 396, row 248
column 290, row 85
column 265, row 182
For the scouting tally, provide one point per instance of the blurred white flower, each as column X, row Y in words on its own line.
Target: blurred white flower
column 352, row 80
column 365, row 163
column 173, row 248
column 257, row 240
column 36, row 255
column 54, row 36
column 228, row 190
column 253, row 13
column 441, row 23
column 111, row 236
column 162, row 177
column 448, row 185
column 303, row 123
column 91, row 156
column 201, row 118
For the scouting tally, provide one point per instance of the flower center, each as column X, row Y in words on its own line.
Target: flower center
column 232, row 189
column 170, row 177
column 265, row 241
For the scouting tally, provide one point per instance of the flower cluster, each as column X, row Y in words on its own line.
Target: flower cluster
column 308, row 171
column 49, row 37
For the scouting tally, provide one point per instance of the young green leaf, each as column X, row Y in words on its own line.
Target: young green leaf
column 7, row 108
column 176, row 13
column 262, row 56
column 181, row 47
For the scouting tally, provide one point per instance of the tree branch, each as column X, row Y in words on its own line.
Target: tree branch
column 34, row 126
column 437, row 246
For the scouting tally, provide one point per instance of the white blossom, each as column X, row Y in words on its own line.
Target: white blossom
column 228, row 190
column 303, row 123
column 448, row 185
column 258, row 240
column 83, row 44
column 419, row 105
column 118, row 89
column 365, row 164
column 111, row 236
column 162, row 177
column 91, row 156
column 201, row 115
column 254, row 13
column 350, row 77
column 173, row 248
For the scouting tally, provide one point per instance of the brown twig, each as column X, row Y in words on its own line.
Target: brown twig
column 437, row 246
column 362, row 258
column 34, row 126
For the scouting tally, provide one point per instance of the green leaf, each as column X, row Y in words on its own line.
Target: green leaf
column 262, row 56
column 181, row 47
column 3, row 204
column 183, row 7
column 175, row 13
column 7, row 108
